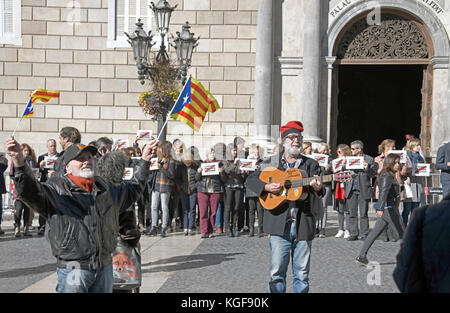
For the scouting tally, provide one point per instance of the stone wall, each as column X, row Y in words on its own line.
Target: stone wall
column 99, row 86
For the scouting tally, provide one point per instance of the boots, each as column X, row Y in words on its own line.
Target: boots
column 228, row 230
column 251, row 232
column 260, row 231
column 235, row 225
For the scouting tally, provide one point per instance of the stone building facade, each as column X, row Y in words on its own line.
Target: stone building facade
column 266, row 61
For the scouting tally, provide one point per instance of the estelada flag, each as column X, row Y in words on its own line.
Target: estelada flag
column 29, row 110
column 44, row 95
column 193, row 103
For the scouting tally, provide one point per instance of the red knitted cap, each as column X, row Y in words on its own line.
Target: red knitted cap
column 291, row 127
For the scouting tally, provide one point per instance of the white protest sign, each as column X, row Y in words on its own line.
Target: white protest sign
column 128, row 173
column 355, row 163
column 154, row 164
column 144, row 134
column 50, row 162
column 247, row 164
column 422, row 169
column 210, row 168
column 322, row 159
column 120, row 144
column 338, row 164
column 401, row 153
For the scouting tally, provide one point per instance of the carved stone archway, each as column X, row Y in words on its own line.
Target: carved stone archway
column 397, row 39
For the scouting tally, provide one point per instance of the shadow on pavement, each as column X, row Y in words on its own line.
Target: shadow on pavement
column 189, row 262
column 29, row 271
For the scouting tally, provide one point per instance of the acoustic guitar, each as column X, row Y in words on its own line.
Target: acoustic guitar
column 292, row 181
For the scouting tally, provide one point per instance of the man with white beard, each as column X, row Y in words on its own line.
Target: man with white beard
column 82, row 212
column 292, row 224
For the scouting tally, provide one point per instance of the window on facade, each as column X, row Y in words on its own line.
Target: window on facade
column 122, row 17
column 10, row 22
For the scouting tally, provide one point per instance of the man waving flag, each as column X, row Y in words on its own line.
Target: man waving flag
column 193, row 104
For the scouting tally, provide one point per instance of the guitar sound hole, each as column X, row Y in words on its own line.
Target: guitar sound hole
column 287, row 184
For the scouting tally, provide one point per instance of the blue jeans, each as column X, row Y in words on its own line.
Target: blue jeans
column 219, row 214
column 188, row 203
column 84, row 281
column 281, row 248
column 408, row 208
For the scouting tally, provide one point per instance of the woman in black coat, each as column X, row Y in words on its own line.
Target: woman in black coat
column 387, row 206
column 3, row 167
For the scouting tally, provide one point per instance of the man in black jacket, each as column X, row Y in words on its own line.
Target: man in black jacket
column 292, row 224
column 51, row 147
column 443, row 164
column 424, row 256
column 82, row 213
column 358, row 193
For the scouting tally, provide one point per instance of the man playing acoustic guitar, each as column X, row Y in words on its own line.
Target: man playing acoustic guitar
column 291, row 225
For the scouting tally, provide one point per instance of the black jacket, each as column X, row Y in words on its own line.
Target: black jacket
column 389, row 191
column 83, row 226
column 211, row 184
column 274, row 221
column 186, row 177
column 423, row 262
column 442, row 159
column 364, row 177
column 234, row 176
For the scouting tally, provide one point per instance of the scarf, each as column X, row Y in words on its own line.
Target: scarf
column 414, row 157
column 85, row 183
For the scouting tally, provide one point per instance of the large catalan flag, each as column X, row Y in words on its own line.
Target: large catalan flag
column 193, row 104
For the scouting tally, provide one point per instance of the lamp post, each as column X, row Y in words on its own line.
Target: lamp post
column 184, row 45
column 140, row 41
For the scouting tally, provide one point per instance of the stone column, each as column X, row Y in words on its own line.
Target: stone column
column 308, row 100
column 263, row 70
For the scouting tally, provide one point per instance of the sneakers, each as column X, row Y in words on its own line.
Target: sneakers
column 218, row 230
column 346, row 234
column 321, row 236
column 340, row 233
column 163, row 233
column 362, row 260
column 352, row 238
column 152, row 232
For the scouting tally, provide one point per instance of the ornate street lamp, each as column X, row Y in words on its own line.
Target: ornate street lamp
column 141, row 42
column 184, row 44
column 162, row 12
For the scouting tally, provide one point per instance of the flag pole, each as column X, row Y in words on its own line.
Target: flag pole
column 18, row 123
column 168, row 115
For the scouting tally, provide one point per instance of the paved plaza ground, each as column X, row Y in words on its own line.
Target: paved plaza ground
column 216, row 265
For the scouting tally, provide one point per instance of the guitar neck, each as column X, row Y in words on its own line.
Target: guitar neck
column 306, row 181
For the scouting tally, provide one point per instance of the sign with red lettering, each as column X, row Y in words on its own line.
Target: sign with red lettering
column 154, row 164
column 144, row 134
column 338, row 164
column 210, row 168
column 422, row 169
column 247, row 164
column 50, row 162
column 120, row 144
column 322, row 159
column 128, row 173
column 355, row 163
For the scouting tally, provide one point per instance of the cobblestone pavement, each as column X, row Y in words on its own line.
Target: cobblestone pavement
column 241, row 265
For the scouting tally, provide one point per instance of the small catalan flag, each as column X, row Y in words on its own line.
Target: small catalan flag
column 29, row 110
column 193, row 104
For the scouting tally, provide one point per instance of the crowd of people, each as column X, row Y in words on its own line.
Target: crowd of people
column 176, row 195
